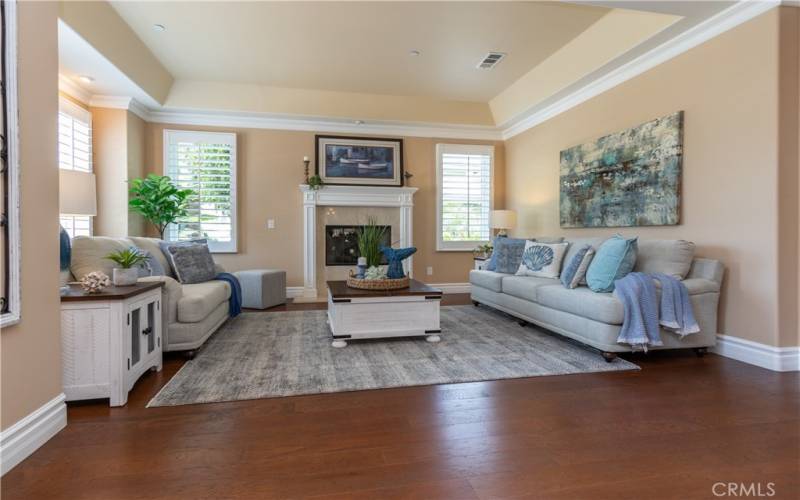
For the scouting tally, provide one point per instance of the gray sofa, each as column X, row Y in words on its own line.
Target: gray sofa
column 594, row 318
column 190, row 313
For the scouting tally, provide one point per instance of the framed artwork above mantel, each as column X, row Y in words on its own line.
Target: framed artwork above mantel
column 359, row 161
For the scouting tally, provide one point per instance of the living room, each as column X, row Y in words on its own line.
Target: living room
column 501, row 250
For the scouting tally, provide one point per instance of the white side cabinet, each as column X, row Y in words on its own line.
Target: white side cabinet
column 109, row 339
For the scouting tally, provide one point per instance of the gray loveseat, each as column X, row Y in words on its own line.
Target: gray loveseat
column 594, row 318
column 191, row 313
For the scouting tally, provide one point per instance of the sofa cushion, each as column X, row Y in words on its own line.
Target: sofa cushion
column 613, row 260
column 671, row 257
column 542, row 260
column 506, row 255
column 487, row 279
column 200, row 299
column 581, row 301
column 89, row 254
column 575, row 270
column 192, row 263
column 575, row 245
column 525, row 287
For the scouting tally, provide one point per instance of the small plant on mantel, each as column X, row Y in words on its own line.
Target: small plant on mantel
column 158, row 200
column 369, row 237
column 315, row 182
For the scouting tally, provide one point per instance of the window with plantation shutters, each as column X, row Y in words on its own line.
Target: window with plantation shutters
column 74, row 153
column 464, row 189
column 204, row 162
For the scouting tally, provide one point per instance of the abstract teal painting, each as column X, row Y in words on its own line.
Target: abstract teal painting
column 631, row 178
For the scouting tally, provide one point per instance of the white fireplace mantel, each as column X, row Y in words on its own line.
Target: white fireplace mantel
column 351, row 196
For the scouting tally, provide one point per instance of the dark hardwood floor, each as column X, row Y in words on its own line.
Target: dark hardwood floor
column 671, row 430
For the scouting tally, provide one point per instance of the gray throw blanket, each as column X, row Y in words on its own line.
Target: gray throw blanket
column 644, row 314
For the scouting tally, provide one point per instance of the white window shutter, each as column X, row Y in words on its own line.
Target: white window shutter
column 464, row 189
column 204, row 162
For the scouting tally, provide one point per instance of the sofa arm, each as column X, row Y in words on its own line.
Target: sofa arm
column 708, row 269
column 171, row 293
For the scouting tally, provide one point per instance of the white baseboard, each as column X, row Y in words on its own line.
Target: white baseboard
column 26, row 436
column 779, row 359
column 294, row 292
column 452, row 287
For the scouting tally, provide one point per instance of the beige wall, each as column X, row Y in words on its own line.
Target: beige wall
column 110, row 162
column 728, row 88
column 118, row 155
column 788, row 178
column 270, row 170
column 31, row 350
column 136, row 169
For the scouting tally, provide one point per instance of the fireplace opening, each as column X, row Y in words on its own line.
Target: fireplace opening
column 341, row 245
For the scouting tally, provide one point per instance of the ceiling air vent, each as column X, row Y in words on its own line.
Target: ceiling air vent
column 491, row 59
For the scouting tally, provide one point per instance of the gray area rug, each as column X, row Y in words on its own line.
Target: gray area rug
column 263, row 355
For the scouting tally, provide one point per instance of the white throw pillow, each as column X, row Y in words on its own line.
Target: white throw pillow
column 542, row 259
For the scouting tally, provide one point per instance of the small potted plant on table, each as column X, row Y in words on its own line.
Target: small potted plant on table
column 127, row 274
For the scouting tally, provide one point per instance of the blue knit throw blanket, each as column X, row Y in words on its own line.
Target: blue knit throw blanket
column 644, row 313
column 235, row 302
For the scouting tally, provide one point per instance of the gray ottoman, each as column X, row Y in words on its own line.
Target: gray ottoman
column 262, row 288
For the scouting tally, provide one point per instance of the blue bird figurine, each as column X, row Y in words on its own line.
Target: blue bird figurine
column 395, row 257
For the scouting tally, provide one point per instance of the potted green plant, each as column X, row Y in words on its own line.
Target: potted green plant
column 369, row 238
column 126, row 274
column 158, row 200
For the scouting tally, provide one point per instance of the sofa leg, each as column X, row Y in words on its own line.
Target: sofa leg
column 191, row 354
column 609, row 356
column 700, row 351
column 476, row 303
column 522, row 323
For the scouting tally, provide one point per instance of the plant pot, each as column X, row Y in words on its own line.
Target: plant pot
column 125, row 277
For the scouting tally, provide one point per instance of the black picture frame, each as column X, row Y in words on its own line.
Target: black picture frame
column 320, row 165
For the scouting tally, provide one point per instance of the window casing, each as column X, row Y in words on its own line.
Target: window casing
column 464, row 195
column 75, row 153
column 204, row 162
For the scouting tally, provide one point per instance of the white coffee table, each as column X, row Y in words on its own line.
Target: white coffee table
column 372, row 314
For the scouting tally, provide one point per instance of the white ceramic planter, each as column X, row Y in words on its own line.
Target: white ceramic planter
column 125, row 277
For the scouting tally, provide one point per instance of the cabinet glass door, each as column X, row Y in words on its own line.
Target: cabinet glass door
column 136, row 322
column 151, row 327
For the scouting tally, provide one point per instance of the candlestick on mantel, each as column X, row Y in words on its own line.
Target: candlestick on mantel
column 306, row 161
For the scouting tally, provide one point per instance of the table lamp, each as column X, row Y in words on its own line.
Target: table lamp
column 77, row 196
column 502, row 220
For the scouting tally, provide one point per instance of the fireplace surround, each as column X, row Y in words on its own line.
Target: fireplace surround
column 401, row 198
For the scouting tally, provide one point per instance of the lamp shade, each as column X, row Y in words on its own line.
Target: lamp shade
column 77, row 193
column 503, row 219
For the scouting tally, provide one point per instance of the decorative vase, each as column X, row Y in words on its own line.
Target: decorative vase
column 125, row 277
column 362, row 267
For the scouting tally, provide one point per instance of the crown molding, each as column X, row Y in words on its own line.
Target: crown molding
column 723, row 21
column 121, row 102
column 73, row 90
column 327, row 125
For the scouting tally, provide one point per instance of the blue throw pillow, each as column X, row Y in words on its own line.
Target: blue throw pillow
column 614, row 259
column 575, row 270
column 507, row 255
column 150, row 267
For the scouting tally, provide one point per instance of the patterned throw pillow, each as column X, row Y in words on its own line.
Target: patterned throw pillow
column 542, row 259
column 575, row 270
column 192, row 262
column 507, row 255
column 614, row 259
column 164, row 246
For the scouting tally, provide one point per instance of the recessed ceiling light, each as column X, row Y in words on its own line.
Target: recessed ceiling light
column 86, row 79
column 159, row 28
column 414, row 53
